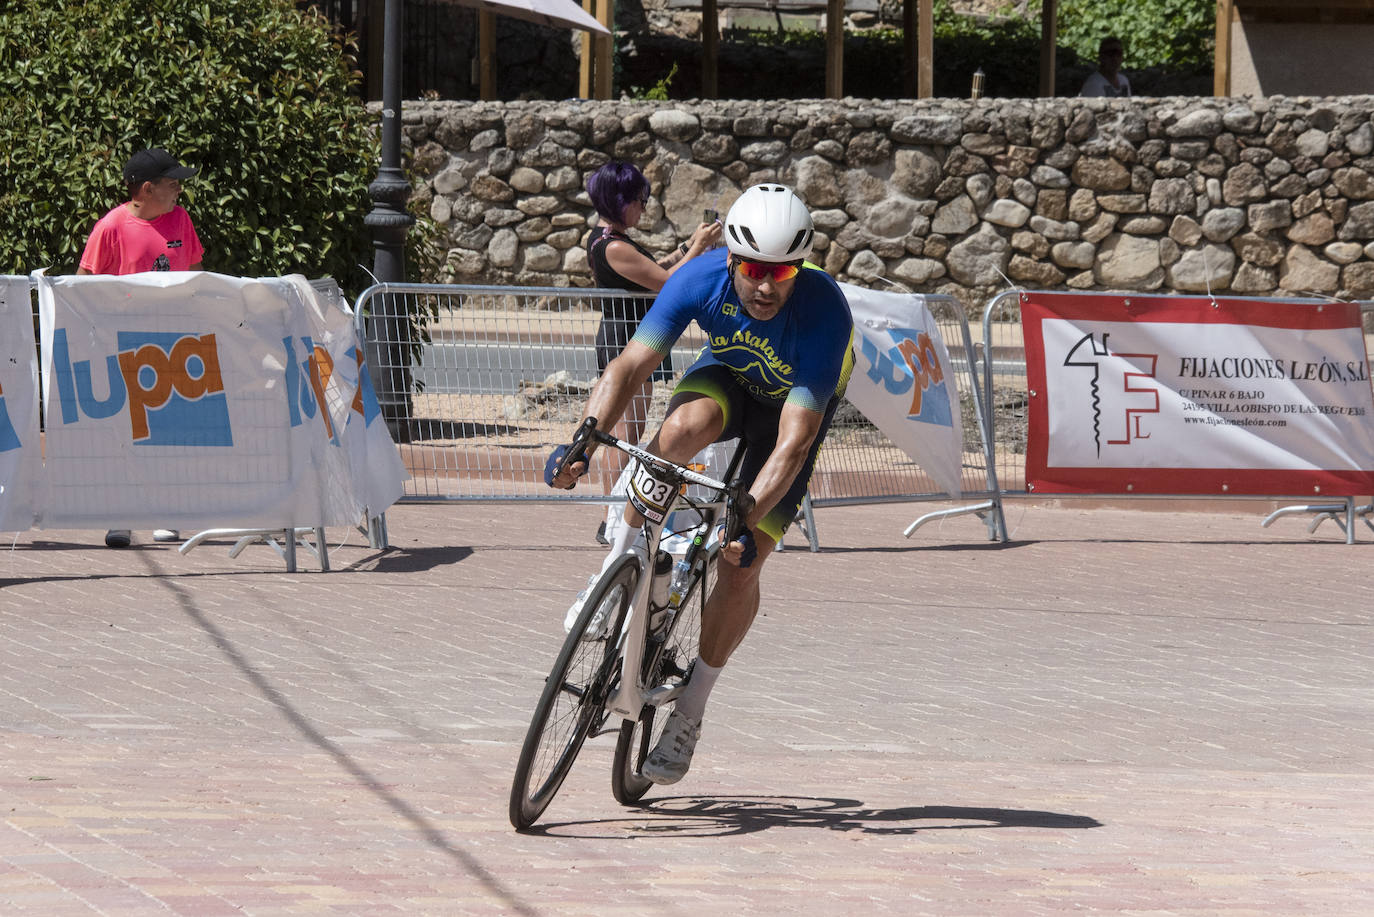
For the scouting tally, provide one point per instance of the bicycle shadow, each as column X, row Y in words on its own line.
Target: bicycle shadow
column 685, row 816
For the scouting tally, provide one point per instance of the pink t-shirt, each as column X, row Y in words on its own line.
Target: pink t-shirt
column 121, row 243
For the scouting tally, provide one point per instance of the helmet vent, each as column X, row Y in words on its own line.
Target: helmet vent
column 748, row 236
column 799, row 240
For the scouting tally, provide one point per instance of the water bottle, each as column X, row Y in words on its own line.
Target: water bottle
column 682, row 576
column 663, row 564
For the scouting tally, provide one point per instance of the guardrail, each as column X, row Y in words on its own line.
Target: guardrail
column 506, row 372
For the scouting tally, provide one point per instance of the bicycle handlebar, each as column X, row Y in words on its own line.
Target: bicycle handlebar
column 739, row 503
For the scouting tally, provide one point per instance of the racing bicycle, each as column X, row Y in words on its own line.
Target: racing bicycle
column 629, row 653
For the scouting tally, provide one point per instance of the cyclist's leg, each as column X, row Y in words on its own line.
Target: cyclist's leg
column 702, row 411
column 732, row 606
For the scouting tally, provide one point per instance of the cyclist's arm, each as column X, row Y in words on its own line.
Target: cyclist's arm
column 627, row 261
column 622, row 378
column 797, row 428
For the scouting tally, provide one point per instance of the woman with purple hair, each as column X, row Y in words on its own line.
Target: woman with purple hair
column 620, row 194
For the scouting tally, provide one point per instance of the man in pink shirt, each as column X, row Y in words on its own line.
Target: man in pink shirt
column 149, row 232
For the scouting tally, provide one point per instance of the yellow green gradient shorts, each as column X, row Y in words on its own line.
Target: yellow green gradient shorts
column 755, row 423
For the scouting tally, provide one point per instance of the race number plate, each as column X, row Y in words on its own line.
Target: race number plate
column 649, row 495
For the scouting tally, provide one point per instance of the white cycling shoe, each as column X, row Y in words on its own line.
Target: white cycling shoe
column 672, row 756
column 595, row 630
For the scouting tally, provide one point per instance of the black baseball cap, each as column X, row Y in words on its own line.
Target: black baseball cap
column 150, row 165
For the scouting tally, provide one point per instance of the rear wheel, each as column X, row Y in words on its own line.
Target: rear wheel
column 573, row 702
column 667, row 660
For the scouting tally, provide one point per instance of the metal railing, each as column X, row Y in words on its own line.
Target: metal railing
column 506, row 373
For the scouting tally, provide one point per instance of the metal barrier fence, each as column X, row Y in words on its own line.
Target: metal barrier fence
column 1006, row 389
column 858, row 464
column 505, row 376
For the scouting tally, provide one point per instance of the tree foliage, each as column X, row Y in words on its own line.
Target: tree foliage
column 1156, row 33
column 253, row 92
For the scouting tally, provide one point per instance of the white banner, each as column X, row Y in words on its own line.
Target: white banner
column 903, row 381
column 20, row 448
column 1187, row 395
column 195, row 400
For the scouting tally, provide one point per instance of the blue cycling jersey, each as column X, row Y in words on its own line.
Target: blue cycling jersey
column 800, row 356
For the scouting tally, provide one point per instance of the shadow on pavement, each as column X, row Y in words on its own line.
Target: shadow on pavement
column 432, row 834
column 410, row 560
column 916, row 548
column 685, row 816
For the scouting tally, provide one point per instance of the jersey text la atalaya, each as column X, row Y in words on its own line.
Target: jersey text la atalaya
column 800, row 356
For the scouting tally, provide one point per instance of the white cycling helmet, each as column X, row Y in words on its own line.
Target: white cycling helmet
column 769, row 223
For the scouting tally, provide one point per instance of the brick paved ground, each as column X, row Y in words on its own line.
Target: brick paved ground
column 1122, row 712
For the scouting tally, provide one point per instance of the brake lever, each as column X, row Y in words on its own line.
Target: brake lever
column 577, row 449
column 738, row 507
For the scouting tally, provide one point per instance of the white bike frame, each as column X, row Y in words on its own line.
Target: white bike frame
column 630, row 697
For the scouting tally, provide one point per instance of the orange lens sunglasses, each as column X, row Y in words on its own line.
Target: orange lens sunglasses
column 759, row 271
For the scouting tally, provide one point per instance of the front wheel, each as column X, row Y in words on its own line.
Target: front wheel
column 573, row 702
column 667, row 660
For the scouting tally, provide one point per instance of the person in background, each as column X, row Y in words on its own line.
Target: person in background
column 148, row 232
column 1108, row 80
column 620, row 194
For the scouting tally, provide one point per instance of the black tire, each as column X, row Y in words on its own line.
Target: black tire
column 665, row 660
column 573, row 702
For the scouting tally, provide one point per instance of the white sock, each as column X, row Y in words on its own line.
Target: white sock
column 624, row 535
column 692, row 701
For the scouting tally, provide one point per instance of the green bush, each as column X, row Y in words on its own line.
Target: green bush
column 253, row 92
column 1178, row 34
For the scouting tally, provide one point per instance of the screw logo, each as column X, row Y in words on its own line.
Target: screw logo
column 8, row 438
column 912, row 365
column 1134, row 397
column 170, row 381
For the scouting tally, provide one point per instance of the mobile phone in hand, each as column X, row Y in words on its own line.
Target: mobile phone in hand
column 710, row 216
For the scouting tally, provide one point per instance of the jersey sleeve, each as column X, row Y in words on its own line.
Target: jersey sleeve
column 825, row 369
column 100, row 255
column 682, row 298
column 195, row 251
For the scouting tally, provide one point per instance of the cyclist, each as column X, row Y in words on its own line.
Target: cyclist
column 773, row 373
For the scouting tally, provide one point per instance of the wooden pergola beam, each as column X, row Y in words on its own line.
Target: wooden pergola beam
column 1221, row 62
column 1049, row 39
column 834, row 49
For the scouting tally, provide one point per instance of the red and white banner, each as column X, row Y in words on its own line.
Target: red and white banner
column 1142, row 394
column 20, row 450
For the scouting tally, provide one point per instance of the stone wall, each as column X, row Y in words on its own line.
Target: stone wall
column 1251, row 196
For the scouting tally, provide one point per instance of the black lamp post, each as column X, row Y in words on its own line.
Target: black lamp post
column 389, row 221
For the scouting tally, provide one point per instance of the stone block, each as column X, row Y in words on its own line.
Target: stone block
column 1037, row 273
column 980, row 259
column 1201, row 269
column 1273, row 215
column 1343, row 252
column 956, row 217
column 1313, row 229
column 1129, row 263
column 1185, row 230
column 1303, row 272
column 1031, row 242
column 1358, row 279
column 1082, row 206
column 1077, row 255
column 1007, row 212
column 1100, row 228
column 1222, row 223
column 1101, row 174
column 1251, row 278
